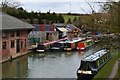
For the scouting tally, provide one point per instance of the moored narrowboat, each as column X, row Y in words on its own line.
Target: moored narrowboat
column 57, row 46
column 43, row 47
column 47, row 46
column 91, row 64
column 83, row 45
column 89, row 43
column 71, row 44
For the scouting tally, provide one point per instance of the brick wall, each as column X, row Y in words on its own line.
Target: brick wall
column 8, row 52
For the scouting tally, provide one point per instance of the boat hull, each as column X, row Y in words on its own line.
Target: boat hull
column 37, row 50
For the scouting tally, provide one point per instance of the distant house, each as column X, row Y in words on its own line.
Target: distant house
column 73, row 31
column 14, row 37
column 68, row 30
column 61, row 28
column 42, row 32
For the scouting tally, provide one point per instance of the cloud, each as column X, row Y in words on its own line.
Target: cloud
column 65, row 0
column 60, row 7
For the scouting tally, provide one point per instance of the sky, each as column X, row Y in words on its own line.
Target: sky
column 61, row 6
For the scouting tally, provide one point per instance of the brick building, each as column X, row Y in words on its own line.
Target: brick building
column 13, row 37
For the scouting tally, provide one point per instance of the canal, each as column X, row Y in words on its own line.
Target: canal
column 46, row 65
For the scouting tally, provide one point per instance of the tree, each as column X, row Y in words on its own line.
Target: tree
column 60, row 18
column 9, row 4
column 113, row 8
column 75, row 21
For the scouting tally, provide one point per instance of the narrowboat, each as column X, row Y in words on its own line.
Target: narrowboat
column 57, row 46
column 91, row 64
column 83, row 45
column 43, row 47
column 71, row 44
column 89, row 43
column 47, row 46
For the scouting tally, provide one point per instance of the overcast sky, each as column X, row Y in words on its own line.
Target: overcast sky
column 61, row 6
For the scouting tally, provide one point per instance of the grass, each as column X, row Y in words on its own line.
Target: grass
column 107, row 68
column 66, row 17
column 118, row 72
column 116, row 76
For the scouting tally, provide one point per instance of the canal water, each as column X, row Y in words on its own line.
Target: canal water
column 46, row 65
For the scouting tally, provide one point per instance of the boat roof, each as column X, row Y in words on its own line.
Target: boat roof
column 74, row 40
column 95, row 56
column 51, row 42
column 88, row 40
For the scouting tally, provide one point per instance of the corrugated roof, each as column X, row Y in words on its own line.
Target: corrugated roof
column 59, row 25
column 71, row 26
column 9, row 22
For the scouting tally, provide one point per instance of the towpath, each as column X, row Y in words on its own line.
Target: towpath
column 114, row 70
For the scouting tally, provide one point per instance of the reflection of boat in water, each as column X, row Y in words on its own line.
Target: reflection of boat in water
column 91, row 64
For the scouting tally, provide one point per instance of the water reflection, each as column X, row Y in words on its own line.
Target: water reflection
column 47, row 65
column 16, row 68
column 53, row 65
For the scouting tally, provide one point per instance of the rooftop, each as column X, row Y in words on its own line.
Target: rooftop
column 95, row 56
column 10, row 23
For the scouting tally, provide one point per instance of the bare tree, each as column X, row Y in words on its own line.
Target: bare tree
column 10, row 3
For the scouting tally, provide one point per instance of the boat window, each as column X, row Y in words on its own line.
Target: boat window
column 67, row 45
column 56, row 45
column 100, row 60
column 85, row 66
column 40, row 46
column 98, row 63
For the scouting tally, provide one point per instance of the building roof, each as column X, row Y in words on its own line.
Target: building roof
column 62, row 29
column 10, row 23
column 59, row 25
column 71, row 26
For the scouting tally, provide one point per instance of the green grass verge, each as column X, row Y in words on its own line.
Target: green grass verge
column 116, row 76
column 107, row 68
column 118, row 72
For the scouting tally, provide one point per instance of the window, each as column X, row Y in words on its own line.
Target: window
column 18, row 33
column 98, row 63
column 4, row 34
column 12, row 34
column 25, row 42
column 4, row 45
column 21, row 32
column 12, row 43
column 21, row 44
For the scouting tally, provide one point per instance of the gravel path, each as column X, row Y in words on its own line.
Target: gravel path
column 114, row 70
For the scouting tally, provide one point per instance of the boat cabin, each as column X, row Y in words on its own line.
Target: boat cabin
column 57, row 46
column 85, row 44
column 72, row 44
column 91, row 64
